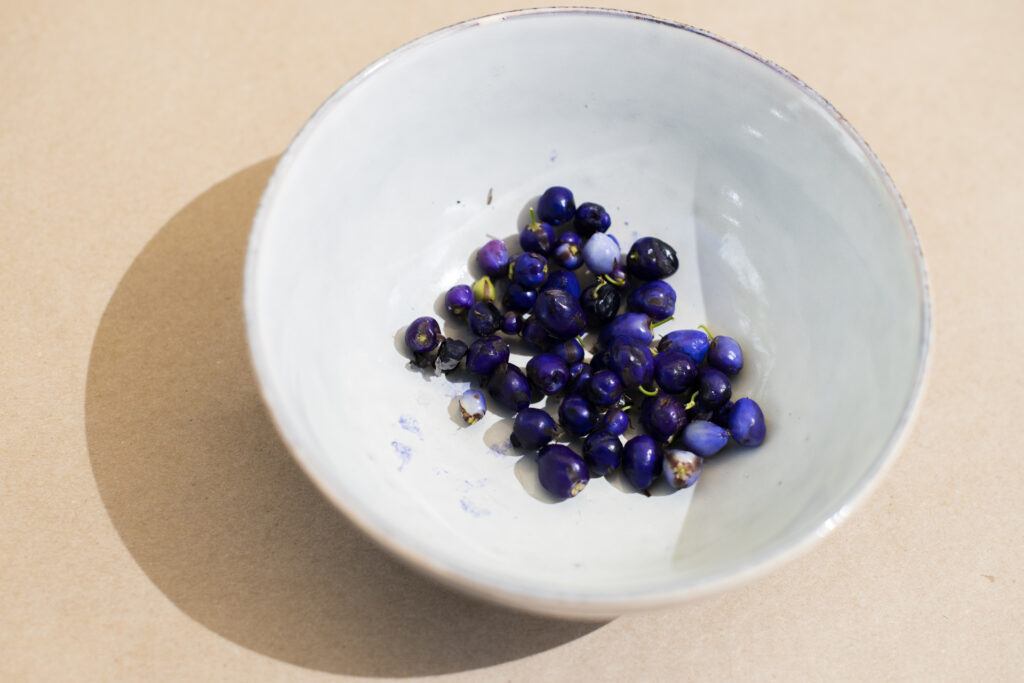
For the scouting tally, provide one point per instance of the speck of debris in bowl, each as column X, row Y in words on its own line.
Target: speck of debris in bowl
column 490, row 196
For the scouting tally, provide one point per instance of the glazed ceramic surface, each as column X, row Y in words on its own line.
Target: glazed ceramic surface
column 791, row 238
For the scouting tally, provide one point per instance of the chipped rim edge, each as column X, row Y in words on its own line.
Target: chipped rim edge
column 559, row 604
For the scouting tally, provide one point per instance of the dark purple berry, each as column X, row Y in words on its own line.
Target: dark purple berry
column 486, row 354
column 548, row 372
column 632, row 362
column 458, row 299
column 535, row 335
column 614, row 421
column 674, row 371
column 560, row 313
column 509, row 387
column 694, row 343
column 512, row 322
column 556, row 205
column 636, row 326
column 533, row 428
column 570, row 351
column 651, row 259
column 641, row 461
column 600, row 303
column 591, row 218
column 656, row 298
column 662, row 416
column 484, row 319
column 537, row 236
column 519, row 298
column 715, row 388
column 564, row 279
column 529, row 270
column 605, row 388
column 493, row 258
column 579, row 379
column 562, row 472
column 422, row 335
column 602, row 452
column 577, row 415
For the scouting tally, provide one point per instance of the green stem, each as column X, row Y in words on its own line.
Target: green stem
column 612, row 281
column 704, row 328
column 662, row 322
column 647, row 392
column 693, row 401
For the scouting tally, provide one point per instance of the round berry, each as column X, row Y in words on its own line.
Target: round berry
column 564, row 279
column 632, row 362
column 725, row 354
column 560, row 313
column 562, row 472
column 486, row 354
column 458, row 299
column 605, row 388
column 601, row 253
column 533, row 428
column 614, row 421
column 512, row 322
column 651, row 259
column 656, row 298
column 674, row 371
column 602, row 452
column 571, row 351
column 662, row 416
column 641, row 461
column 600, row 303
column 529, row 270
column 423, row 335
column 484, row 319
column 537, row 236
column 746, row 423
column 714, row 387
column 694, row 343
column 509, row 387
column 591, row 218
column 493, row 258
column 569, row 250
column 548, row 372
column 577, row 416
column 519, row 298
column 556, row 205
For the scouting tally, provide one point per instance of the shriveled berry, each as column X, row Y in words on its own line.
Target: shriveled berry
column 651, row 259
column 591, row 218
column 449, row 354
column 484, row 290
column 486, row 354
column 484, row 319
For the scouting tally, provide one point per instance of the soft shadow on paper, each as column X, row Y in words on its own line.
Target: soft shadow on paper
column 212, row 507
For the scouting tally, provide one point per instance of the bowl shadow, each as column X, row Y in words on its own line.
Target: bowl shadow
column 212, row 507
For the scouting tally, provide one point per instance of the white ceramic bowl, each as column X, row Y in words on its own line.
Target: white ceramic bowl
column 791, row 238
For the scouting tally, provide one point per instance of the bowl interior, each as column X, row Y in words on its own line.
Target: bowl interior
column 790, row 237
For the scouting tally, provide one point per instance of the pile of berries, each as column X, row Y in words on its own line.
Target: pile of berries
column 677, row 387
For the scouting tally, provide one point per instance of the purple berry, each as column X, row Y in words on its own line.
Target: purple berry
column 493, row 258
column 562, row 472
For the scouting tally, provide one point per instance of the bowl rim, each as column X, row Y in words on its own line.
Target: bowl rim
column 558, row 604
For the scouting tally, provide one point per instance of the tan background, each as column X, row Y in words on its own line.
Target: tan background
column 151, row 523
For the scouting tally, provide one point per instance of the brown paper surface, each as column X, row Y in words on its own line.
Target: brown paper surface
column 153, row 527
